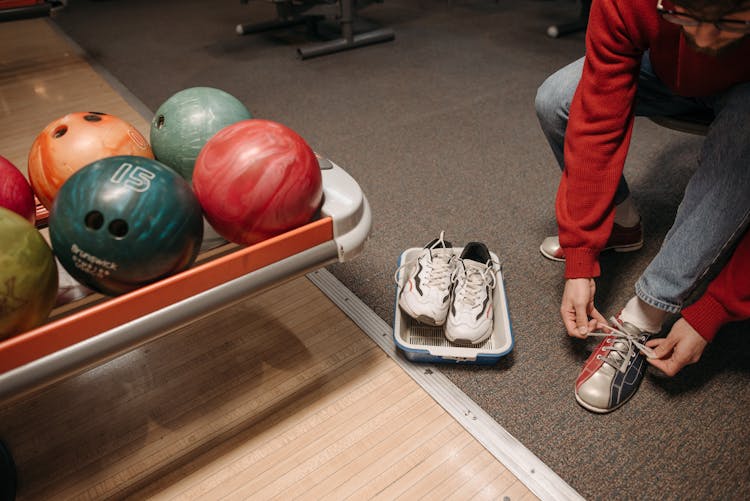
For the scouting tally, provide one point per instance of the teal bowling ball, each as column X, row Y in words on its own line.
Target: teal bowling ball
column 189, row 118
column 124, row 222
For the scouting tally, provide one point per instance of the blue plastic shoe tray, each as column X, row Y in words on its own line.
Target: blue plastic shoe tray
column 425, row 343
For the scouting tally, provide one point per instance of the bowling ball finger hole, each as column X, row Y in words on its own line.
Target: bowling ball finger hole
column 93, row 116
column 118, row 228
column 94, row 220
column 160, row 122
column 60, row 131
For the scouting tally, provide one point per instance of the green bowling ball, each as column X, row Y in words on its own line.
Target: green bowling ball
column 124, row 222
column 189, row 118
column 28, row 275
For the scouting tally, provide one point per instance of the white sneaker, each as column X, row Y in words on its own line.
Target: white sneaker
column 425, row 295
column 471, row 314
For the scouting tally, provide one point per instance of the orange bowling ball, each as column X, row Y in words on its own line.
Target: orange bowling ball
column 76, row 140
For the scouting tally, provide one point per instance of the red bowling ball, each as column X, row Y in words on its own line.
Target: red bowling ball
column 15, row 191
column 256, row 179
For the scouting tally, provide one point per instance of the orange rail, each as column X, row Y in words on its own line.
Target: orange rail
column 76, row 327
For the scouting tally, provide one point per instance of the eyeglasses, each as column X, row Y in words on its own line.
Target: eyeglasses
column 685, row 19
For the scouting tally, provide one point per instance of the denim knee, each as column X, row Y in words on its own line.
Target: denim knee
column 553, row 99
column 551, row 105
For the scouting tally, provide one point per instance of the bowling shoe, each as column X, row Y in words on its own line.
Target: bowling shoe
column 615, row 369
column 426, row 291
column 622, row 239
column 470, row 317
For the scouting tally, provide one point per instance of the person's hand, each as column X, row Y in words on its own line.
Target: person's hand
column 577, row 309
column 682, row 346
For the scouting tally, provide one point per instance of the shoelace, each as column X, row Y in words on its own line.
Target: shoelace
column 440, row 265
column 474, row 283
column 628, row 344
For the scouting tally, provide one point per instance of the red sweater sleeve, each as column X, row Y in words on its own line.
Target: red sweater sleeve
column 600, row 123
column 598, row 135
column 727, row 298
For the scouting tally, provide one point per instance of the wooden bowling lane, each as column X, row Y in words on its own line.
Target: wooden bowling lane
column 43, row 77
column 279, row 396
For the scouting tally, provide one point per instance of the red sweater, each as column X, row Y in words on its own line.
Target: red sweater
column 601, row 114
column 727, row 298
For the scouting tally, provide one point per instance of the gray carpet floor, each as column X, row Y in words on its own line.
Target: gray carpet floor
column 438, row 127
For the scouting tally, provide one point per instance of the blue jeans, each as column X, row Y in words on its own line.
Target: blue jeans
column 715, row 208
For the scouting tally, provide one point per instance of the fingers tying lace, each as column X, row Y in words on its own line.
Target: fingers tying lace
column 622, row 346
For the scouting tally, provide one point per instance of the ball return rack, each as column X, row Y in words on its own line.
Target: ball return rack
column 94, row 329
column 14, row 10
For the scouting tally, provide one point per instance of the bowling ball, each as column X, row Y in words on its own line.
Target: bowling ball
column 185, row 121
column 75, row 140
column 123, row 222
column 15, row 191
column 256, row 179
column 28, row 275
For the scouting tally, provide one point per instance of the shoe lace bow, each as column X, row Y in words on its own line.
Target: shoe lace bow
column 622, row 345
